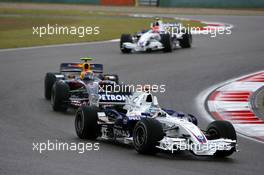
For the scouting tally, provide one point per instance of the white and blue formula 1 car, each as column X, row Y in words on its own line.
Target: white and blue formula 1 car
column 161, row 36
column 142, row 123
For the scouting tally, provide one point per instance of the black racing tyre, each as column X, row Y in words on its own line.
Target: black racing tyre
column 50, row 79
column 186, row 41
column 125, row 38
column 166, row 42
column 59, row 94
column 146, row 135
column 86, row 125
column 222, row 129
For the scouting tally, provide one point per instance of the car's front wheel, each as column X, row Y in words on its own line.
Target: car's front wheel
column 186, row 41
column 86, row 125
column 125, row 38
column 146, row 135
column 222, row 129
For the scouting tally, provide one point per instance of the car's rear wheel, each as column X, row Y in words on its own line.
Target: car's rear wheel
column 59, row 95
column 125, row 38
column 50, row 79
column 146, row 135
column 86, row 125
column 222, row 129
column 166, row 42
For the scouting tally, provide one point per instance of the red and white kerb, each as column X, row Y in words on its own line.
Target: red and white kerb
column 232, row 102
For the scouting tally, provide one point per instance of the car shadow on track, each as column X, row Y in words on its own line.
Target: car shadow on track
column 159, row 52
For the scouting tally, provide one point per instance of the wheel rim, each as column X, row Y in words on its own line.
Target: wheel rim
column 140, row 136
column 213, row 133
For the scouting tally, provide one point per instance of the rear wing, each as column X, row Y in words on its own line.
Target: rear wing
column 77, row 67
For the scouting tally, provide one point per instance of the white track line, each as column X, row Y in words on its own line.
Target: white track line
column 58, row 45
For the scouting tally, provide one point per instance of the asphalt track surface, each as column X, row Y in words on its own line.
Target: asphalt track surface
column 27, row 117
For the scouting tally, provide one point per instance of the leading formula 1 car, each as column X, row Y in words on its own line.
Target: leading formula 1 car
column 79, row 84
column 142, row 123
column 161, row 36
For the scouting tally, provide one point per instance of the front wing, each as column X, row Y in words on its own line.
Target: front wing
column 154, row 45
column 208, row 148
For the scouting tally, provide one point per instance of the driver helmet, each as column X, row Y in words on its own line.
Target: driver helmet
column 157, row 25
column 157, row 22
column 87, row 76
column 155, row 29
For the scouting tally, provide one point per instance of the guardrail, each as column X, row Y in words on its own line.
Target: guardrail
column 148, row 2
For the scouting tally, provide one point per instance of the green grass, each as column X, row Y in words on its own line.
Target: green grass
column 16, row 26
column 38, row 12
